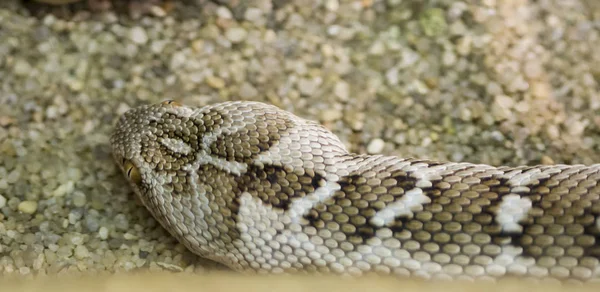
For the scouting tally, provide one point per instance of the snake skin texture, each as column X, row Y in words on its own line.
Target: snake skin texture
column 261, row 190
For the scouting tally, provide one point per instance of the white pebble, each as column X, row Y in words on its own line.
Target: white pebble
column 51, row 112
column 377, row 48
column 138, row 35
column 533, row 69
column 63, row 189
column 331, row 115
column 157, row 46
column 332, row 5
column 81, row 252
column 28, row 207
column 236, row 34
column 122, row 108
column 13, row 176
column 392, row 76
column 342, row 90
column 22, row 68
column 158, row 11
column 224, row 12
column 247, row 91
column 448, row 58
column 103, row 233
column 79, row 199
column 24, row 270
column 307, row 86
column 77, row 239
column 129, row 236
column 253, row 15
column 2, row 201
column 375, row 146
column 169, row 267
column 576, row 127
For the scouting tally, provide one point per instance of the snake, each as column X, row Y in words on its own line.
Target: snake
column 261, row 190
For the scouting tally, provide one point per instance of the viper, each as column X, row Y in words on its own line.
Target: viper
column 260, row 189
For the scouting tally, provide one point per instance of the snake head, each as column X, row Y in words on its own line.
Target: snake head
column 191, row 167
column 179, row 164
column 149, row 144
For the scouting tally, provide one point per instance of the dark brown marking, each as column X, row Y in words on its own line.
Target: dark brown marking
column 271, row 184
column 245, row 144
column 560, row 211
column 354, row 190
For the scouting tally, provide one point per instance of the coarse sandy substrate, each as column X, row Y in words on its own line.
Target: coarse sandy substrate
column 503, row 82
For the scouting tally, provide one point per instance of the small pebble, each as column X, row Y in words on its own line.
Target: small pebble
column 81, row 252
column 375, row 146
column 91, row 223
column 342, row 90
column 547, row 160
column 247, row 91
column 236, row 34
column 138, row 35
column 377, row 48
column 158, row 11
column 330, row 115
column 22, row 68
column 253, row 15
column 307, row 86
column 63, row 189
column 129, row 236
column 6, row 120
column 170, row 267
column 24, row 270
column 448, row 58
column 215, row 82
column 393, row 76
column 77, row 239
column 332, row 5
column 28, row 207
column 121, row 222
column 79, row 199
column 103, row 233
column 224, row 12
column 13, row 176
column 2, row 201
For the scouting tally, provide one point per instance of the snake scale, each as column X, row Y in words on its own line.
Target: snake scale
column 260, row 189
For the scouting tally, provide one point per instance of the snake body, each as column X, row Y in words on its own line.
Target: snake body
column 260, row 189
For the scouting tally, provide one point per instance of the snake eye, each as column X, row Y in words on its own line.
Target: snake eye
column 171, row 102
column 133, row 173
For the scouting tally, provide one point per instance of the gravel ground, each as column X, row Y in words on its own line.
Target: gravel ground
column 503, row 82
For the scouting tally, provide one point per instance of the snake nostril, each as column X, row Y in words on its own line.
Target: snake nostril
column 171, row 102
